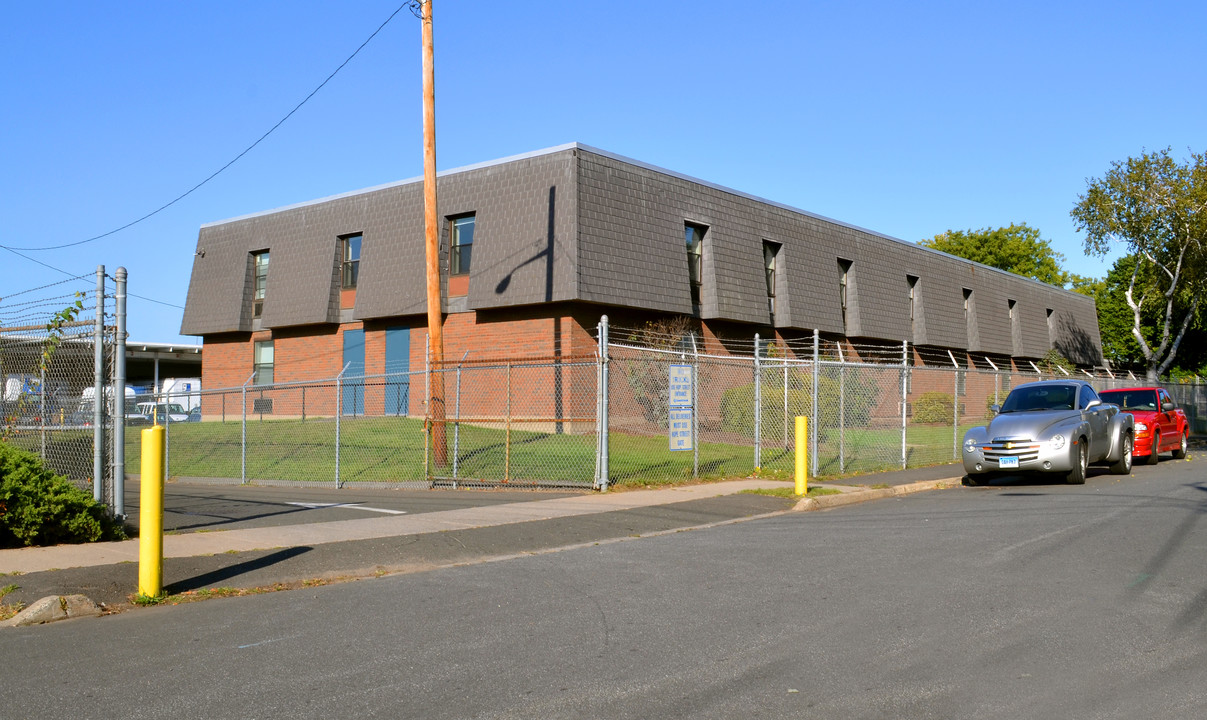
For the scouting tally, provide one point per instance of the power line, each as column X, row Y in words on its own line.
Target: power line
column 45, row 265
column 249, row 148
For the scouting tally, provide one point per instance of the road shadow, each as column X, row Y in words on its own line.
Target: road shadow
column 226, row 574
column 1037, row 479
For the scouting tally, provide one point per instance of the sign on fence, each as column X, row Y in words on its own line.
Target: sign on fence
column 679, row 413
column 681, row 428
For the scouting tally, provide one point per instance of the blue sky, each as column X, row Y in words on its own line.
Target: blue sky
column 903, row 118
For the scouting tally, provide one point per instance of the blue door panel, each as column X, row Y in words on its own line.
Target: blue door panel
column 398, row 364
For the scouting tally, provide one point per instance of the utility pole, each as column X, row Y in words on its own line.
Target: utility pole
column 431, row 227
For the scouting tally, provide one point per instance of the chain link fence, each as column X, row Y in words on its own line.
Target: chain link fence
column 48, row 361
column 505, row 422
column 632, row 414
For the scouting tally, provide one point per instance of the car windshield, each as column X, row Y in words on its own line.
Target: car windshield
column 1041, row 397
column 1131, row 399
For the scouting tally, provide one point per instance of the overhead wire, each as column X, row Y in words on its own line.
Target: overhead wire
column 217, row 172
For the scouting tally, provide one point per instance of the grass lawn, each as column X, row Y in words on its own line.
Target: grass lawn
column 391, row 450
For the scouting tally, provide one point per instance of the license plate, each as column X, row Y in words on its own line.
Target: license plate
column 1007, row 462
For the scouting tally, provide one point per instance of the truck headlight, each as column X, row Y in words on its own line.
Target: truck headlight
column 1057, row 441
column 1141, row 427
column 970, row 445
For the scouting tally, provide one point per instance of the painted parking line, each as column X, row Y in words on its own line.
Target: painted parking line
column 354, row 506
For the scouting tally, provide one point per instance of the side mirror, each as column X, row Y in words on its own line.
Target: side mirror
column 995, row 409
column 1167, row 407
column 1093, row 404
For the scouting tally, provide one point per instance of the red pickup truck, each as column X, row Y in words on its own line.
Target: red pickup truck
column 1160, row 426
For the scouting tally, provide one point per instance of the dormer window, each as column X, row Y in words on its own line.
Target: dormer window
column 844, row 281
column 694, row 235
column 350, row 264
column 461, row 234
column 260, row 282
column 771, row 251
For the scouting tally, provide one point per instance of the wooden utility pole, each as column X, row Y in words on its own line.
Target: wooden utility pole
column 431, row 227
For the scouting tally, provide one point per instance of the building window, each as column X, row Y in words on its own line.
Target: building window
column 771, row 251
column 1051, row 327
column 350, row 265
column 461, row 232
column 694, row 235
column 263, row 362
column 844, row 281
column 260, row 270
column 913, row 298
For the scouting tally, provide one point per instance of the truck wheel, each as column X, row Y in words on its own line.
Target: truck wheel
column 1152, row 458
column 1181, row 451
column 1076, row 476
column 1123, row 465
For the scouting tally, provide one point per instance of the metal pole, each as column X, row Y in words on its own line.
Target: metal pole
column 955, row 409
column 457, row 421
column 427, row 399
column 816, row 415
column 243, row 436
column 758, row 409
column 119, row 400
column 842, row 410
column 598, row 400
column 904, row 396
column 42, row 407
column 601, row 482
column 695, row 409
column 507, row 441
column 98, row 397
column 784, row 361
column 339, row 411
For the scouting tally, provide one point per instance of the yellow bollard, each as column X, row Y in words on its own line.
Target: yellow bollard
column 802, row 455
column 150, row 515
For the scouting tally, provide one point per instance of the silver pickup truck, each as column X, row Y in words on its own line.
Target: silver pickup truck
column 1058, row 426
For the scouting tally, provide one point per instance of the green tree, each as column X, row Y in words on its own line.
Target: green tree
column 1018, row 248
column 1115, row 320
column 1156, row 207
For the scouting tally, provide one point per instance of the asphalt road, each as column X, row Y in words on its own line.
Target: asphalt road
column 190, row 507
column 1022, row 599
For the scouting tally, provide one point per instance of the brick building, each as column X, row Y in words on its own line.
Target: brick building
column 534, row 248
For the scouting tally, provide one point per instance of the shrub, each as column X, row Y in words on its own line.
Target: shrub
column 737, row 403
column 934, row 407
column 38, row 507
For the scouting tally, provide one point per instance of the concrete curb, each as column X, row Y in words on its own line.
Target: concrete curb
column 828, row 501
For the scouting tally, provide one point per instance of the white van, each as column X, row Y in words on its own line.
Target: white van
column 86, row 408
column 184, row 391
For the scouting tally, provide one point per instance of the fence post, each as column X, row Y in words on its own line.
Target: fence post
column 784, row 360
column 904, row 398
column 339, row 411
column 758, row 406
column 243, row 436
column 507, row 429
column 842, row 409
column 601, row 479
column 813, row 424
column 457, row 420
column 955, row 409
column 42, row 408
column 695, row 408
column 997, row 378
column 98, row 397
column 119, row 398
column 427, row 406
